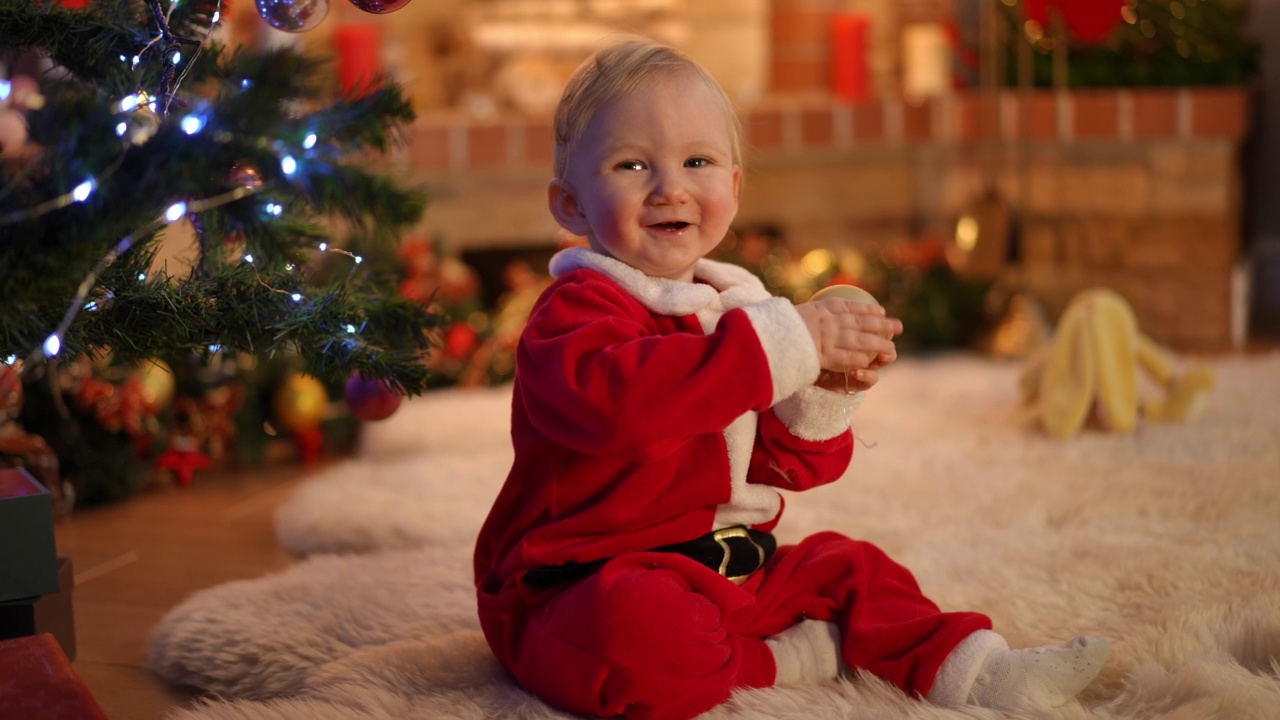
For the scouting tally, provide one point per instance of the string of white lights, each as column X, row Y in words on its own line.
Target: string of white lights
column 294, row 295
column 52, row 344
column 191, row 124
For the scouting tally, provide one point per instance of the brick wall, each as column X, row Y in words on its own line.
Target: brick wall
column 1135, row 189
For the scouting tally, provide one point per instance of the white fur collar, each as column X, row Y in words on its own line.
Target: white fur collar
column 726, row 286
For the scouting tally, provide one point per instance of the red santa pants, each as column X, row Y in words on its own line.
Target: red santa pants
column 657, row 635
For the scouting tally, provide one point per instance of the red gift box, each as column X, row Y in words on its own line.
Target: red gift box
column 37, row 681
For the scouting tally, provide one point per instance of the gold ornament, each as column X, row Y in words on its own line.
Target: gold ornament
column 246, row 176
column 157, row 384
column 301, row 402
column 849, row 292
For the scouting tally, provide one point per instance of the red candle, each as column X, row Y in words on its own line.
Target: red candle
column 849, row 77
column 359, row 61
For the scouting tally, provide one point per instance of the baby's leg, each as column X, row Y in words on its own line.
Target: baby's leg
column 642, row 637
column 887, row 626
column 984, row 671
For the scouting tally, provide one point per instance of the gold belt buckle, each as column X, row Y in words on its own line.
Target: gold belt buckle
column 736, row 531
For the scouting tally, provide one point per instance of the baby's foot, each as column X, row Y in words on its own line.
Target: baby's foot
column 806, row 653
column 1051, row 675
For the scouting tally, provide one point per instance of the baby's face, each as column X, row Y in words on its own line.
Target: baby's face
column 653, row 177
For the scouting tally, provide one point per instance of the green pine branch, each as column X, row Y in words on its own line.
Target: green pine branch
column 253, row 110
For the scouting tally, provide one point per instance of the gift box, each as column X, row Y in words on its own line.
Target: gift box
column 37, row 681
column 51, row 614
column 28, row 554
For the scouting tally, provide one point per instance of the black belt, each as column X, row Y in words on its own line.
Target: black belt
column 734, row 552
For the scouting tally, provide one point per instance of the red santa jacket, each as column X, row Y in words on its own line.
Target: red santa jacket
column 648, row 411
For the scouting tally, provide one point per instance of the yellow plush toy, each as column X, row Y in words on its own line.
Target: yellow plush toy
column 1090, row 368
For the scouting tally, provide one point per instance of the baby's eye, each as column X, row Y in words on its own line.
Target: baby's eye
column 697, row 162
column 630, row 165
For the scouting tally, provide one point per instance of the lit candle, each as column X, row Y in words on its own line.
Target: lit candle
column 358, row 54
column 849, row 78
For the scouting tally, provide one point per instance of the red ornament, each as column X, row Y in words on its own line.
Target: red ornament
column 459, row 340
column 1088, row 21
column 379, row 7
column 371, row 399
column 310, row 442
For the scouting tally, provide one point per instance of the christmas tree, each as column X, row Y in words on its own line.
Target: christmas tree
column 126, row 127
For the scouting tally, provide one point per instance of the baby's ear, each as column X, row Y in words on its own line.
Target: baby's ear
column 565, row 207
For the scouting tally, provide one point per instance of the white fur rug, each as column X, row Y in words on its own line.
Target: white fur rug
column 1167, row 541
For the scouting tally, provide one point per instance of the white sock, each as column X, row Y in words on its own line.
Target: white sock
column 806, row 653
column 1045, row 675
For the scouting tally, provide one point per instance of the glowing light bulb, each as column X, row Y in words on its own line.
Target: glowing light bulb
column 324, row 247
column 83, row 190
column 175, row 211
column 351, row 329
column 359, row 259
column 177, row 57
column 288, row 165
column 6, row 87
column 121, row 129
column 297, row 297
column 192, row 124
column 129, row 102
column 52, row 345
column 142, row 277
column 14, row 358
column 248, row 258
column 310, row 141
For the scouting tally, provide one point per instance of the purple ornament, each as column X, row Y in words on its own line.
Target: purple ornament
column 293, row 16
column 379, row 7
column 370, row 399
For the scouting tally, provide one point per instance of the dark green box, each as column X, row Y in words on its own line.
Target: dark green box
column 53, row 614
column 28, row 552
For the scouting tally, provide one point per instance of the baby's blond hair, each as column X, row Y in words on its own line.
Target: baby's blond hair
column 617, row 70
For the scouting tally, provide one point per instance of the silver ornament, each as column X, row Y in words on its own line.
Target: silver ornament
column 293, row 16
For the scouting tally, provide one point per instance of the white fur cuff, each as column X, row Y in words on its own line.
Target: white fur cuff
column 815, row 414
column 793, row 358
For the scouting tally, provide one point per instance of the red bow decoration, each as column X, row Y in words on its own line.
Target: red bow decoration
column 1089, row 21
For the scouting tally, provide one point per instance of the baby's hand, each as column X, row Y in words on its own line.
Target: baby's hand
column 851, row 336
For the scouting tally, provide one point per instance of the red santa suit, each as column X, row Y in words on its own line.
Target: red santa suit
column 648, row 412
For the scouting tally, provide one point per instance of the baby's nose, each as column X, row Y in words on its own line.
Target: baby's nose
column 668, row 187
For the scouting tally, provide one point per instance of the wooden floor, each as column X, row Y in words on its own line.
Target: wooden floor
column 135, row 560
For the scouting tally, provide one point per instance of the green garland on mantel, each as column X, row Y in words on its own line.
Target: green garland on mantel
column 1160, row 43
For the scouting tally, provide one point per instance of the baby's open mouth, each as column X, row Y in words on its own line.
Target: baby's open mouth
column 672, row 226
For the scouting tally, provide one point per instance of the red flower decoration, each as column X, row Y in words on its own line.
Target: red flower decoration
column 183, row 459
